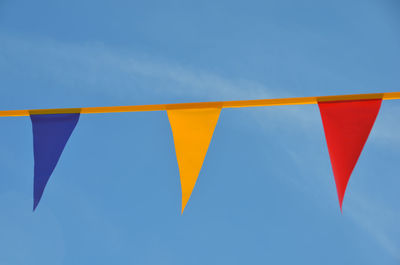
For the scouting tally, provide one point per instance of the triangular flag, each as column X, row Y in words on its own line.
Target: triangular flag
column 192, row 130
column 347, row 125
column 50, row 134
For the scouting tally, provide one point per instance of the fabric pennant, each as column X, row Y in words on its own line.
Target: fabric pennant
column 50, row 135
column 192, row 131
column 347, row 125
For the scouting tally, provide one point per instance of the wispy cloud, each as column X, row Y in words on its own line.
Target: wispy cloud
column 99, row 67
column 378, row 220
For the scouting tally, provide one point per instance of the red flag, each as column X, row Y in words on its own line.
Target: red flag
column 347, row 125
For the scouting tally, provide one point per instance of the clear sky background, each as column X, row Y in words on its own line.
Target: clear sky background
column 266, row 193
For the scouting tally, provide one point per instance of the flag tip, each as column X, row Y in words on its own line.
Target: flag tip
column 341, row 205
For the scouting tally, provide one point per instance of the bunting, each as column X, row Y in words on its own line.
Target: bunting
column 192, row 130
column 50, row 135
column 347, row 121
column 347, row 125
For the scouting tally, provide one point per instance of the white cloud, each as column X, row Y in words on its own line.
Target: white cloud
column 378, row 220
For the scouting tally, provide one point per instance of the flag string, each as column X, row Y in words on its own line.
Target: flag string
column 218, row 104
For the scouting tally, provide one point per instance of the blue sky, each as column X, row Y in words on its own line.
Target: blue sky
column 266, row 193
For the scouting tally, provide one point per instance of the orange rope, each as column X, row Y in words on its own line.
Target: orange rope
column 223, row 104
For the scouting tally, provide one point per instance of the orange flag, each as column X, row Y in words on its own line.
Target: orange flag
column 192, row 130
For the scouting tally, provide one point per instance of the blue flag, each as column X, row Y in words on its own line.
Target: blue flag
column 50, row 135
